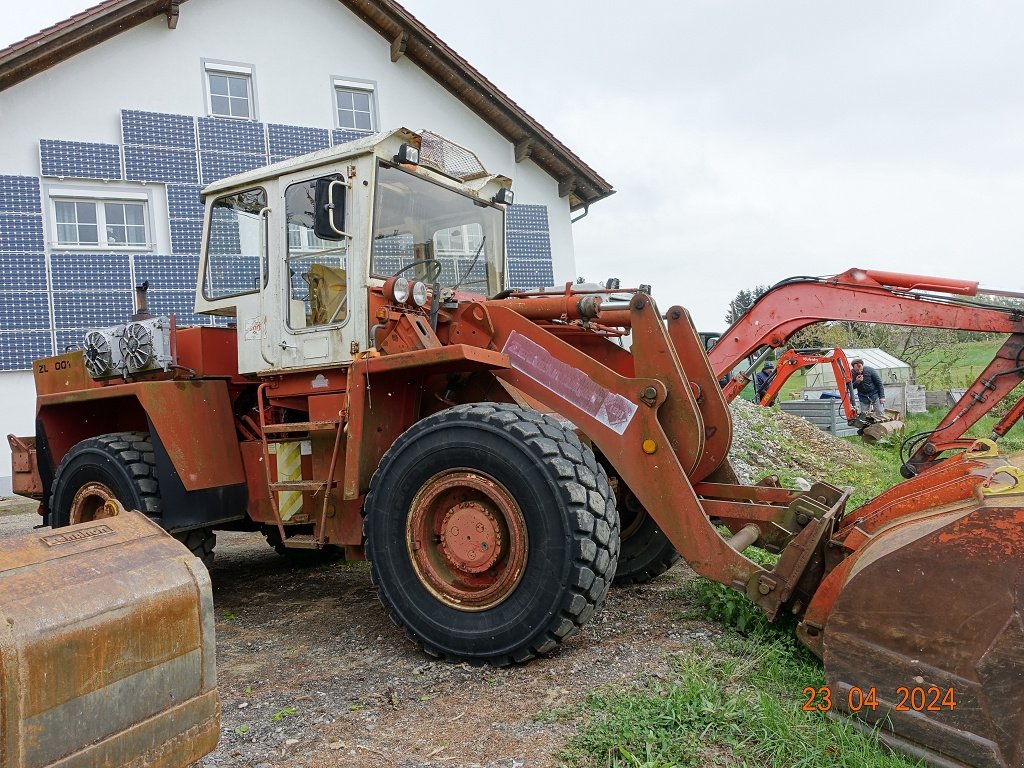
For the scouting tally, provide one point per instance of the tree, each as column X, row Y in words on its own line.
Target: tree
column 743, row 301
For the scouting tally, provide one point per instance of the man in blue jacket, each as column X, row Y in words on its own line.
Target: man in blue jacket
column 870, row 392
column 763, row 380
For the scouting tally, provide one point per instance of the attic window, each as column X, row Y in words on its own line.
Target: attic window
column 229, row 91
column 354, row 105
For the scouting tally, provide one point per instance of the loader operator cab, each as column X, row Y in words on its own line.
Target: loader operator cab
column 296, row 251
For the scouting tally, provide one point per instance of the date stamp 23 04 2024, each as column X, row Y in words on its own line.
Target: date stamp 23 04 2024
column 908, row 699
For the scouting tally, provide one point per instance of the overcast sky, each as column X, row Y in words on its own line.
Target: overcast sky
column 750, row 141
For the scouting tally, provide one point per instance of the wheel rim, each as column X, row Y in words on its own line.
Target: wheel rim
column 467, row 539
column 88, row 503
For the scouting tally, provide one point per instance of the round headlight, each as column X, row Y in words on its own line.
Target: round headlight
column 400, row 290
column 419, row 293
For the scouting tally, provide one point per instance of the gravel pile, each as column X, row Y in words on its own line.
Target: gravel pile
column 766, row 440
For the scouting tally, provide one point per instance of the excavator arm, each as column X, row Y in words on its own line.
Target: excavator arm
column 872, row 296
column 794, row 360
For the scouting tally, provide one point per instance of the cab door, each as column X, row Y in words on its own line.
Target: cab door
column 318, row 283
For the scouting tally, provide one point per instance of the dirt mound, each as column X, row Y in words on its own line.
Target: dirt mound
column 766, row 441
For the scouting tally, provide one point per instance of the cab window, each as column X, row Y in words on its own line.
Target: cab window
column 236, row 245
column 317, row 269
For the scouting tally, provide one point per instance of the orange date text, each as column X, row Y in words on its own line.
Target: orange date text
column 929, row 698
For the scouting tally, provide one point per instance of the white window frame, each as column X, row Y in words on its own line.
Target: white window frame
column 98, row 197
column 369, row 87
column 230, row 69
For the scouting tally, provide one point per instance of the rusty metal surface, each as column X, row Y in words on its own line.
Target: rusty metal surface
column 206, row 458
column 106, row 648
column 714, row 411
column 62, row 373
column 922, row 605
column 935, row 604
column 25, row 479
column 621, row 415
column 467, row 539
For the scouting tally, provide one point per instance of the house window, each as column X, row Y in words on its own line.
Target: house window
column 100, row 223
column 229, row 91
column 354, row 105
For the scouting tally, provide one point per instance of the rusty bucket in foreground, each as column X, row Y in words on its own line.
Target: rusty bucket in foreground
column 106, row 649
column 926, row 638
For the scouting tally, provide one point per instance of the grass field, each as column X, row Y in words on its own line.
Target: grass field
column 737, row 701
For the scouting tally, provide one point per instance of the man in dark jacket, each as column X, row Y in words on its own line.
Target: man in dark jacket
column 763, row 379
column 870, row 392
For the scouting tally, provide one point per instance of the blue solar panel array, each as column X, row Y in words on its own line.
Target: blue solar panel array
column 94, row 309
column 18, row 350
column 168, row 273
column 217, row 165
column 184, row 201
column 22, row 271
column 186, row 235
column 19, row 194
column 73, row 272
column 343, row 136
column 21, row 232
column 528, row 244
column 157, row 129
column 22, row 310
column 227, row 278
column 293, row 140
column 174, row 166
column 240, row 136
column 79, row 160
column 180, row 303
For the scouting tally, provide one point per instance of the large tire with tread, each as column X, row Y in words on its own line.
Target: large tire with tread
column 645, row 551
column 492, row 533
column 122, row 466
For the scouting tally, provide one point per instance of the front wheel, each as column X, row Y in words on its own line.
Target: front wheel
column 492, row 533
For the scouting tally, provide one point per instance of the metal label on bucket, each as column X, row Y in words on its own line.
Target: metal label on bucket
column 530, row 358
column 72, row 537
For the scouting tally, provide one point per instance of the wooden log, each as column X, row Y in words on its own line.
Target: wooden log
column 881, row 430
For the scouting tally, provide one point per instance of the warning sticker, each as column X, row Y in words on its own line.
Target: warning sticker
column 254, row 327
column 531, row 359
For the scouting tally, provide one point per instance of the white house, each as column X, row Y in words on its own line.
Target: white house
column 114, row 119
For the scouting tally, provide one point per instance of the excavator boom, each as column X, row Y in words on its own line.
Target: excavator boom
column 871, row 296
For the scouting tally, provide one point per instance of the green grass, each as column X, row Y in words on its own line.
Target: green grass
column 971, row 359
column 736, row 701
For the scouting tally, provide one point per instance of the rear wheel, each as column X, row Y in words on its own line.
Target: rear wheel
column 645, row 551
column 492, row 533
column 117, row 466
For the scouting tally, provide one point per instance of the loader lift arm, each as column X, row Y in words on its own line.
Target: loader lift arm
column 860, row 295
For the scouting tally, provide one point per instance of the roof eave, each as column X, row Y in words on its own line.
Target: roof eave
column 55, row 44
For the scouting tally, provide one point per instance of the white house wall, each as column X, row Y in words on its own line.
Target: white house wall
column 294, row 49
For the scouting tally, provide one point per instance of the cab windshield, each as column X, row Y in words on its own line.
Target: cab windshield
column 416, row 222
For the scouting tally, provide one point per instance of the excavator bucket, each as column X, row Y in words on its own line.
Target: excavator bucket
column 106, row 648
column 924, row 639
